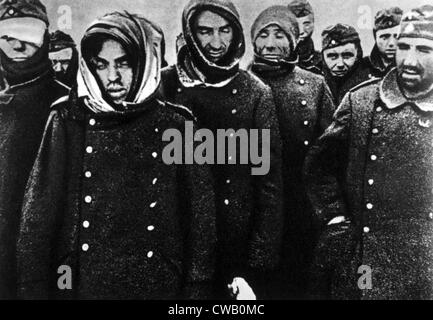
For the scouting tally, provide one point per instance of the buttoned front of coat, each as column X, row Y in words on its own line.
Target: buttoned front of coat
column 305, row 108
column 248, row 207
column 129, row 225
column 388, row 187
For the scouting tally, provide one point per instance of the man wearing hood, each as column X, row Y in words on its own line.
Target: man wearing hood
column 100, row 199
column 64, row 58
column 305, row 108
column 207, row 79
column 27, row 89
column 382, row 58
column 342, row 58
column 309, row 58
column 370, row 180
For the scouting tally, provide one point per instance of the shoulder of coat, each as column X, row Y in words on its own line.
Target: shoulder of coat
column 59, row 102
column 365, row 84
column 256, row 84
column 181, row 110
column 308, row 76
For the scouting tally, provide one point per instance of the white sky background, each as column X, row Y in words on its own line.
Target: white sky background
column 167, row 13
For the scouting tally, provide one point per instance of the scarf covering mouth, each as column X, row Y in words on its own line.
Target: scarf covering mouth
column 21, row 72
column 142, row 40
column 193, row 66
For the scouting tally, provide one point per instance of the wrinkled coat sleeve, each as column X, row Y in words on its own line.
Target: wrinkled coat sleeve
column 43, row 203
column 325, row 166
column 198, row 204
column 266, row 236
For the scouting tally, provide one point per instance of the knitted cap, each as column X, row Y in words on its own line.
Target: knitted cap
column 23, row 8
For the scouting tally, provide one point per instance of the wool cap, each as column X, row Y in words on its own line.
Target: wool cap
column 338, row 35
column 60, row 40
column 418, row 23
column 387, row 18
column 280, row 16
column 23, row 9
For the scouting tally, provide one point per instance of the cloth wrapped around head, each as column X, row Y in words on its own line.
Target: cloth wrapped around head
column 141, row 39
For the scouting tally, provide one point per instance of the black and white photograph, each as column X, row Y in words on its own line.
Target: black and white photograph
column 238, row 151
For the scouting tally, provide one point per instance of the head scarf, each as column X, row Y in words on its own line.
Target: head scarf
column 193, row 67
column 142, row 40
column 286, row 20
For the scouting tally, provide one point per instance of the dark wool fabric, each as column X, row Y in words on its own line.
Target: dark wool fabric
column 24, row 110
column 340, row 86
column 131, row 190
column 373, row 165
column 249, row 208
column 372, row 67
column 305, row 108
column 59, row 41
column 309, row 58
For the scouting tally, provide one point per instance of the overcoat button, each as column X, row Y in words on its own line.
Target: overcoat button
column 86, row 224
column 156, row 130
column 302, row 82
column 92, row 122
column 228, row 181
column 306, row 123
column 88, row 174
column 85, row 247
column 155, row 155
column 154, row 181
column 304, row 102
column 306, row 143
column 373, row 157
column 371, row 182
column 150, row 254
column 235, row 91
column 89, row 149
column 430, row 215
column 150, row 228
column 226, row 202
column 88, row 199
column 366, row 229
column 369, row 206
column 379, row 109
column 179, row 90
column 234, row 111
column 375, row 131
column 153, row 205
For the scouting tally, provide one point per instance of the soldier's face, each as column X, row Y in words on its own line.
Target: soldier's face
column 340, row 60
column 114, row 70
column 414, row 60
column 306, row 27
column 386, row 41
column 17, row 50
column 272, row 43
column 61, row 60
column 214, row 35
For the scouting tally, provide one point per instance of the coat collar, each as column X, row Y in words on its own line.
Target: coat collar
column 393, row 97
column 376, row 61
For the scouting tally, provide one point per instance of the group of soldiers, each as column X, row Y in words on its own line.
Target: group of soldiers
column 84, row 188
